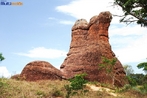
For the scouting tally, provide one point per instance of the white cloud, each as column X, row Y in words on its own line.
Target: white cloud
column 134, row 51
column 52, row 18
column 127, row 30
column 66, row 22
column 125, row 35
column 129, row 43
column 42, row 52
column 4, row 72
column 88, row 8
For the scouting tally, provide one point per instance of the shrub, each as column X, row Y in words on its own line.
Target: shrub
column 108, row 65
column 132, row 81
column 137, row 79
column 143, row 89
column 78, row 82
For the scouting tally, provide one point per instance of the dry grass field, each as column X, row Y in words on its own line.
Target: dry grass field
column 10, row 88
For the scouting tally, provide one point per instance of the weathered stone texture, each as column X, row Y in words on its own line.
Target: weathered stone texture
column 89, row 45
column 90, row 42
column 40, row 70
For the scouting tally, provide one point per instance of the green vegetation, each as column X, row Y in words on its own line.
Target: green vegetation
column 134, row 11
column 1, row 57
column 10, row 88
column 76, row 87
column 107, row 64
column 137, row 82
column 76, row 84
column 143, row 65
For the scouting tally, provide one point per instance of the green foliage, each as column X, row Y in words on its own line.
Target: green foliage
column 1, row 57
column 139, row 89
column 137, row 82
column 109, row 61
column 77, row 83
column 137, row 79
column 135, row 9
column 132, row 81
column 107, row 64
column 143, row 89
column 10, row 88
column 143, row 65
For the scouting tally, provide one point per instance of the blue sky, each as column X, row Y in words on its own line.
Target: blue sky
column 41, row 30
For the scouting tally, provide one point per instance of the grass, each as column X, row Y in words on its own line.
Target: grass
column 23, row 89
column 10, row 88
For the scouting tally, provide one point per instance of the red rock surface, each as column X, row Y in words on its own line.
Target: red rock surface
column 90, row 42
column 40, row 70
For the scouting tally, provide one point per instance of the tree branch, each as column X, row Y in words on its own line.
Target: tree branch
column 143, row 20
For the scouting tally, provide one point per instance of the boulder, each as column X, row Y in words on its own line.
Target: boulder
column 89, row 48
column 40, row 70
column 16, row 77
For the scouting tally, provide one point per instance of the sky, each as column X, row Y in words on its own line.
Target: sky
column 41, row 30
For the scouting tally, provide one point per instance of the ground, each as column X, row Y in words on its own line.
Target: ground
column 10, row 88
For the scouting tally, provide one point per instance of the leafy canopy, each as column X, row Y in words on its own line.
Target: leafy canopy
column 134, row 11
column 143, row 65
column 78, row 81
column 1, row 57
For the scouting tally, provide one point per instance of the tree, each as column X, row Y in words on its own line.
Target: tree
column 134, row 11
column 143, row 65
column 128, row 69
column 1, row 57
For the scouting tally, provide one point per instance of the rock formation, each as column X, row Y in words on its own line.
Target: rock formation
column 40, row 70
column 90, row 53
column 89, row 46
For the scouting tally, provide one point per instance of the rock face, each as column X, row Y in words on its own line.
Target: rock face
column 90, row 53
column 89, row 46
column 40, row 70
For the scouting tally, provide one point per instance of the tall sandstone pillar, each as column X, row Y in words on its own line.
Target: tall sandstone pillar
column 89, row 46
